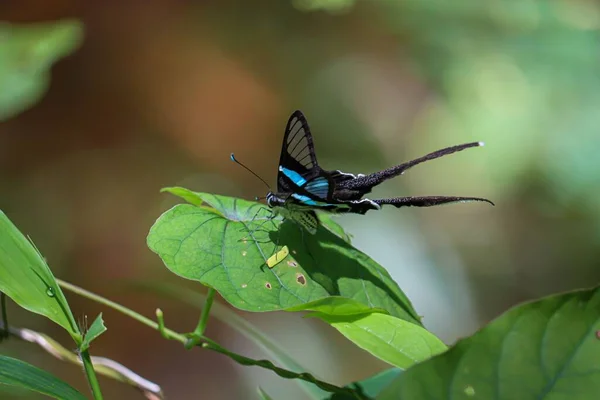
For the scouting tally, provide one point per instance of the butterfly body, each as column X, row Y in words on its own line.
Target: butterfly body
column 303, row 186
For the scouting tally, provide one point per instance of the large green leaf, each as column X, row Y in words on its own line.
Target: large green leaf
column 26, row 278
column 336, row 306
column 26, row 54
column 396, row 341
column 17, row 373
column 226, row 246
column 393, row 340
column 547, row 349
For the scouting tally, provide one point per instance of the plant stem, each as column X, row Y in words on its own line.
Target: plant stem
column 91, row 374
column 210, row 344
column 124, row 310
column 198, row 333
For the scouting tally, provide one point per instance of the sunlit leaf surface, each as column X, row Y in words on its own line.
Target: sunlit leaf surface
column 226, row 246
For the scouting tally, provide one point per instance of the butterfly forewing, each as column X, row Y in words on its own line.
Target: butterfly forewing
column 298, row 162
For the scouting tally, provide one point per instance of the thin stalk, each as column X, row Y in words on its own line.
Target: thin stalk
column 198, row 333
column 116, row 306
column 91, row 374
column 210, row 344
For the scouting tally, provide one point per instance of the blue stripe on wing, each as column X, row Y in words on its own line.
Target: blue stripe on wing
column 293, row 175
column 319, row 187
column 306, row 200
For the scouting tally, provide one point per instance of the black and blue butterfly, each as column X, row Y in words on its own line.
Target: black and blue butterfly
column 304, row 187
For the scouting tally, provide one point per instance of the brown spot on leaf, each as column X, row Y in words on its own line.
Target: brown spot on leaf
column 301, row 279
column 268, row 285
column 292, row 263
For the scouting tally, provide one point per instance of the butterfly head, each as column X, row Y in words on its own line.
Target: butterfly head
column 273, row 200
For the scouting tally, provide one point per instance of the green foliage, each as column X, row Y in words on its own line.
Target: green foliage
column 20, row 374
column 398, row 342
column 26, row 54
column 336, row 306
column 545, row 349
column 96, row 329
column 27, row 280
column 391, row 339
column 226, row 245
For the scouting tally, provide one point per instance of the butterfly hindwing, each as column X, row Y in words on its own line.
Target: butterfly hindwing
column 304, row 217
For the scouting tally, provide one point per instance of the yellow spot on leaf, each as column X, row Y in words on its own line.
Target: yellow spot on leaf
column 278, row 257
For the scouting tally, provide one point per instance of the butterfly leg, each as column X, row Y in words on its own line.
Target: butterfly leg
column 267, row 219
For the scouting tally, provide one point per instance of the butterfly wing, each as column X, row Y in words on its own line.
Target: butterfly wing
column 298, row 162
column 300, row 179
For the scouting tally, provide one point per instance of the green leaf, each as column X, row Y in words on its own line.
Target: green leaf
column 328, row 220
column 398, row 342
column 197, row 199
column 547, row 349
column 336, row 305
column 370, row 387
column 226, row 246
column 17, row 373
column 26, row 54
column 97, row 329
column 26, row 278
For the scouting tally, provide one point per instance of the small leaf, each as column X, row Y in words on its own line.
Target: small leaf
column 97, row 329
column 26, row 54
column 17, row 373
column 398, row 342
column 226, row 247
column 26, row 278
column 370, row 387
column 547, row 349
column 336, row 305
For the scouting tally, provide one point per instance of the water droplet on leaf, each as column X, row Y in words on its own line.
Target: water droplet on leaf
column 50, row 292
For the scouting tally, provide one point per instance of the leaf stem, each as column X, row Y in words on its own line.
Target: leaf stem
column 210, row 344
column 124, row 310
column 91, row 374
column 198, row 333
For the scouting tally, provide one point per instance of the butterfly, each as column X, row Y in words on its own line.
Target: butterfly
column 304, row 187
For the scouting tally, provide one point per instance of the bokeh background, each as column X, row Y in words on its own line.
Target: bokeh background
column 160, row 93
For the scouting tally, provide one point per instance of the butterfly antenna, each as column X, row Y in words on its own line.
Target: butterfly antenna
column 249, row 170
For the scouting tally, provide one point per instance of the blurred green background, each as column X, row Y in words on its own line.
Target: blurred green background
column 160, row 93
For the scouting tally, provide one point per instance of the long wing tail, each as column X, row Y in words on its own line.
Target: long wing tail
column 427, row 201
column 365, row 183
